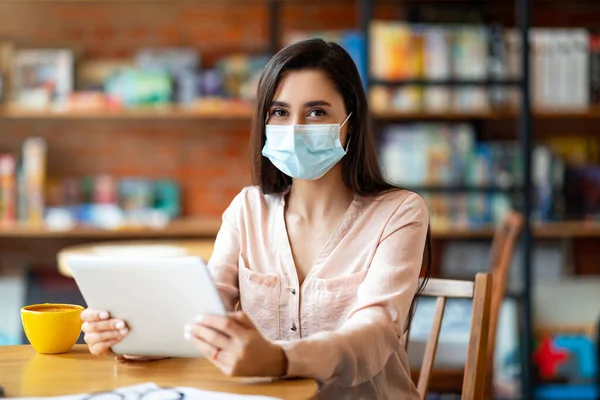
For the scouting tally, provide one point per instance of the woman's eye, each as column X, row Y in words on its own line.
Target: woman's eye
column 317, row 113
column 278, row 112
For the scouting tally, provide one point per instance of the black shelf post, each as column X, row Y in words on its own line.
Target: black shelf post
column 274, row 26
column 364, row 14
column 523, row 14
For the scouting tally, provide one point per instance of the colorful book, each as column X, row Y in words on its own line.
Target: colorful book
column 34, row 176
column 8, row 190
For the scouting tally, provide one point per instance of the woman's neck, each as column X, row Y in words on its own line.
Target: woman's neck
column 314, row 200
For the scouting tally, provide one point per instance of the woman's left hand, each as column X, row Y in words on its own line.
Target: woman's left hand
column 235, row 346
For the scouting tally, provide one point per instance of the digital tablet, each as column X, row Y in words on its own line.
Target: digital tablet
column 156, row 297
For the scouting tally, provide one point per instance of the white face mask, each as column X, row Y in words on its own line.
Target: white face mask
column 304, row 151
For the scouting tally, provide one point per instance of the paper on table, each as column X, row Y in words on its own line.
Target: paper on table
column 150, row 391
column 126, row 393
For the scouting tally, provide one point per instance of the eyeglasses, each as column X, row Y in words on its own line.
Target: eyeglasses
column 152, row 394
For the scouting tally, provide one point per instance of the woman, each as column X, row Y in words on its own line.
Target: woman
column 321, row 258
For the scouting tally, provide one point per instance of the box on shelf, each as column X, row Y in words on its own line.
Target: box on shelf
column 12, row 298
column 41, row 78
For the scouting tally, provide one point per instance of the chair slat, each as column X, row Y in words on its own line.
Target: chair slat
column 476, row 364
column 431, row 348
column 449, row 288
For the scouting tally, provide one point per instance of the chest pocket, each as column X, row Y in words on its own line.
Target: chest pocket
column 327, row 302
column 259, row 299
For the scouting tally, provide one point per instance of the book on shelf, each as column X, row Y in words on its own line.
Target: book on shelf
column 564, row 67
column 29, row 198
column 595, row 68
column 8, row 190
column 560, row 67
column 32, row 179
column 428, row 155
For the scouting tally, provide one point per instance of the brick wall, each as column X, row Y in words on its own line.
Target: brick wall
column 209, row 158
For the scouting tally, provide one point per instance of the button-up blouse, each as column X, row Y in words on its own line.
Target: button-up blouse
column 344, row 324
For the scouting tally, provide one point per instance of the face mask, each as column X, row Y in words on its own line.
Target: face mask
column 304, row 151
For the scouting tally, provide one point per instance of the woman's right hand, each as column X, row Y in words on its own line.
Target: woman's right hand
column 101, row 331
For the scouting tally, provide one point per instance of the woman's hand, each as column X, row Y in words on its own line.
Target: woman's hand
column 103, row 332
column 236, row 347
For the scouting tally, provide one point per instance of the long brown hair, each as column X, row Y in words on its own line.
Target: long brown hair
column 360, row 167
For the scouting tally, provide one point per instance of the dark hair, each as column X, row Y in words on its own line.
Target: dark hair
column 360, row 167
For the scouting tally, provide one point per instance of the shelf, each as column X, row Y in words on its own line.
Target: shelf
column 198, row 228
column 185, row 228
column 567, row 229
column 440, row 189
column 489, row 115
column 445, row 82
column 225, row 112
column 181, row 228
column 394, row 115
column 448, row 233
column 547, row 230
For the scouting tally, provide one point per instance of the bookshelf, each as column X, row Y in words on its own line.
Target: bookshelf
column 524, row 116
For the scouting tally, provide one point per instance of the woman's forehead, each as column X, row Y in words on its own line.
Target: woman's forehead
column 300, row 87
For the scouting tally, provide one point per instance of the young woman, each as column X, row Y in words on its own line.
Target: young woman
column 319, row 262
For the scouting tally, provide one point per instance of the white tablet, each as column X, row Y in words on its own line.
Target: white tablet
column 157, row 297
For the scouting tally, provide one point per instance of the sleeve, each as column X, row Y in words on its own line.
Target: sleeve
column 223, row 264
column 361, row 347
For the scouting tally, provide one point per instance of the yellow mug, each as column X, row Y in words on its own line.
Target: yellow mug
column 52, row 328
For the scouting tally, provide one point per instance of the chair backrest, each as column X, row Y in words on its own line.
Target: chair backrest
column 501, row 254
column 475, row 373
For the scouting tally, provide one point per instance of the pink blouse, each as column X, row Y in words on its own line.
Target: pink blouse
column 344, row 325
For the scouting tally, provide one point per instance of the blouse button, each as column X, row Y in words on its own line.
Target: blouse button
column 293, row 291
column 294, row 327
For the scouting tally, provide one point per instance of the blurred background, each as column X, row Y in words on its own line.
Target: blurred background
column 129, row 120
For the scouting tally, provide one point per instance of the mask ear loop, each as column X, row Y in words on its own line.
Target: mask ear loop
column 346, row 120
column 347, row 136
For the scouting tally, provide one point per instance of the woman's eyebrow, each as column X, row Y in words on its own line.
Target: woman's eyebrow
column 316, row 103
column 277, row 103
column 313, row 103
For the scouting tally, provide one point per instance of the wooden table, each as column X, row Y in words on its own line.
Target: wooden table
column 202, row 248
column 23, row 372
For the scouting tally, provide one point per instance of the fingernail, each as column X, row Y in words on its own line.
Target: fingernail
column 187, row 328
column 187, row 335
column 199, row 318
column 103, row 315
column 120, row 325
column 123, row 331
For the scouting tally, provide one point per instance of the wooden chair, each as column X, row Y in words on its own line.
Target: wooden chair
column 475, row 373
column 501, row 254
